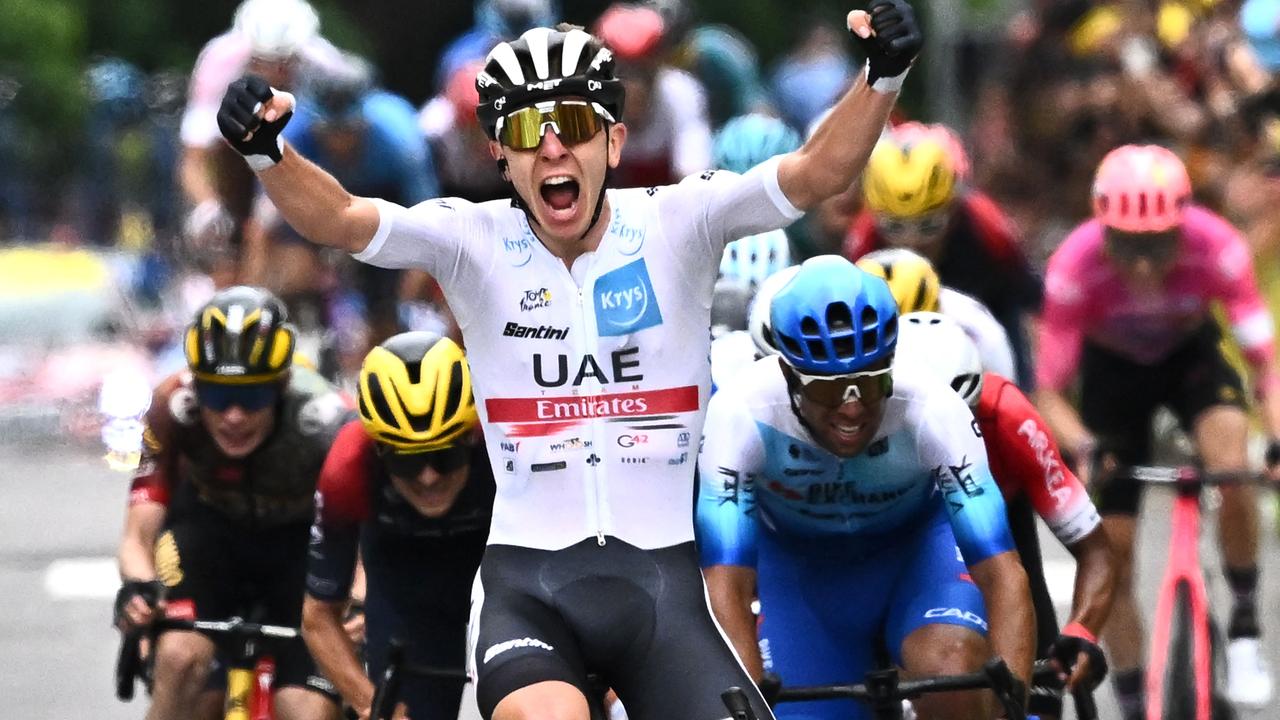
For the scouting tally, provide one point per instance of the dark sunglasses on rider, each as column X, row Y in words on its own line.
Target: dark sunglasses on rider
column 573, row 121
column 832, row 391
column 410, row 465
column 1127, row 247
column 927, row 225
column 250, row 397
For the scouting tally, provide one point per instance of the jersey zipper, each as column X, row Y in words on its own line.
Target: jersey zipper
column 592, row 476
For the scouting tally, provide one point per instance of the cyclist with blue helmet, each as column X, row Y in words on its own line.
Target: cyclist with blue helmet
column 857, row 502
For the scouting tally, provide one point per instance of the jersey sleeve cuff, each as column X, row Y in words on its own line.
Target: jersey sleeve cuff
column 774, row 190
column 386, row 217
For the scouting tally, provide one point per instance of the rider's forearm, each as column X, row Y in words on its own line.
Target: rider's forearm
column 317, row 206
column 1095, row 581
column 334, row 652
column 193, row 175
column 136, row 554
column 1004, row 588
column 732, row 589
column 1270, row 402
column 831, row 159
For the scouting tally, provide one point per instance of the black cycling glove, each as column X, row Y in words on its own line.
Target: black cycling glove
column 893, row 47
column 1068, row 646
column 148, row 590
column 238, row 118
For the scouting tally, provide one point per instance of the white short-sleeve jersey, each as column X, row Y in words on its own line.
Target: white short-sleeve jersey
column 983, row 329
column 591, row 381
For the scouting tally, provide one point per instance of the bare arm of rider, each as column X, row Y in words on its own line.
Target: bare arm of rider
column 195, row 175
column 335, row 653
column 1094, row 592
column 136, row 555
column 732, row 589
column 833, row 156
column 1003, row 583
column 316, row 205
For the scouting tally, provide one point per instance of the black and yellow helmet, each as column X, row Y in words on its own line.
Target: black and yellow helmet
column 241, row 336
column 912, row 279
column 415, row 393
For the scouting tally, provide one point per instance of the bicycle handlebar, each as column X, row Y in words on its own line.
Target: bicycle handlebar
column 129, row 662
column 1182, row 474
column 883, row 689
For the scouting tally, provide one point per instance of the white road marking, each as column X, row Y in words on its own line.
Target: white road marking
column 82, row 578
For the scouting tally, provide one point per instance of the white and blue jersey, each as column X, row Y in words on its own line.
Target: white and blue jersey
column 848, row 549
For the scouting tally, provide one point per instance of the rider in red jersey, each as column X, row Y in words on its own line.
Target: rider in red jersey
column 1027, row 466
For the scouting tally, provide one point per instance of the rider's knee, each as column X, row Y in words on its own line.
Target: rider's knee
column 183, row 657
column 545, row 701
column 951, row 654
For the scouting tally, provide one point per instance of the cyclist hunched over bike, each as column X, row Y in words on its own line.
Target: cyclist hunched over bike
column 585, row 313
column 856, row 499
column 408, row 491
column 1031, row 473
column 221, row 504
column 1127, row 310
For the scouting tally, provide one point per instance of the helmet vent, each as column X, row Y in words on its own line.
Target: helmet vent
column 840, row 325
column 870, row 324
column 809, row 326
column 381, row 408
column 454, row 399
column 891, row 330
column 415, row 372
column 791, row 345
column 1142, row 204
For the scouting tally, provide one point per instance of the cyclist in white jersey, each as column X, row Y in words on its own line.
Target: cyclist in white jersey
column 916, row 286
column 585, row 314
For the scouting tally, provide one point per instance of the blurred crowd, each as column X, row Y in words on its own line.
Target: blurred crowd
column 1066, row 81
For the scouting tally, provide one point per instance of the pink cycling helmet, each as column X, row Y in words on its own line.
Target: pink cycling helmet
column 1141, row 189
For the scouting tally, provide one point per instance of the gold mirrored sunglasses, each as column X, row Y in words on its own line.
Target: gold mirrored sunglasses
column 573, row 121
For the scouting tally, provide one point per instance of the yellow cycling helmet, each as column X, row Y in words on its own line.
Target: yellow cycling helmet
column 908, row 178
column 912, row 279
column 415, row 393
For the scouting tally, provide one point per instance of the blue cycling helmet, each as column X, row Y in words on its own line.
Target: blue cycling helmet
column 748, row 140
column 833, row 318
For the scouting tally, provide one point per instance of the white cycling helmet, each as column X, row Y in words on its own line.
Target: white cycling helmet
column 276, row 29
column 758, row 315
column 938, row 346
column 756, row 257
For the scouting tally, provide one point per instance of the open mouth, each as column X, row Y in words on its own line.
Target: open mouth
column 560, row 193
column 848, row 432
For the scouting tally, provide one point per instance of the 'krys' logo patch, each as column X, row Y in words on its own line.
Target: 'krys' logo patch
column 625, row 301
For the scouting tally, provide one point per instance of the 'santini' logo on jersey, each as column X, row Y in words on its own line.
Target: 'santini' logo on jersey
column 625, row 301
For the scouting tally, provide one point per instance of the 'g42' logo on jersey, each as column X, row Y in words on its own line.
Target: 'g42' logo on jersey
column 625, row 301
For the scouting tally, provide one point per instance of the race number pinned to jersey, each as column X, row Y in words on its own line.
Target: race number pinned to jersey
column 625, row 301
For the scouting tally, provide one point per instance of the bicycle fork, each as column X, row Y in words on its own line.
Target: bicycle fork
column 1183, row 578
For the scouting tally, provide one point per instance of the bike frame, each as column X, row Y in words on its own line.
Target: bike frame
column 250, row 669
column 1182, row 570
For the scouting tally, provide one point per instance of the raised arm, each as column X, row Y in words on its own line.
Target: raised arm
column 831, row 159
column 310, row 199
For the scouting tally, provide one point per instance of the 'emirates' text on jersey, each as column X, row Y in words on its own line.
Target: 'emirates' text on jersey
column 592, row 381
